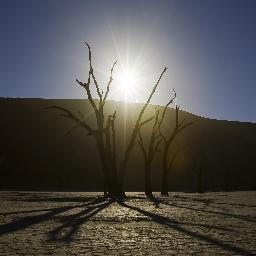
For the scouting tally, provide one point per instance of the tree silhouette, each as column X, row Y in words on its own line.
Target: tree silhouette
column 104, row 134
column 167, row 142
column 149, row 153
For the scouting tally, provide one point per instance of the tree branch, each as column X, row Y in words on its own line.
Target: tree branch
column 86, row 87
column 92, row 72
column 112, row 123
column 145, row 122
column 166, row 106
column 109, row 82
column 179, row 129
column 156, row 149
column 172, row 161
column 141, row 143
column 72, row 117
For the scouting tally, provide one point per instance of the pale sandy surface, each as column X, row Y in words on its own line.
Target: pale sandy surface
column 86, row 224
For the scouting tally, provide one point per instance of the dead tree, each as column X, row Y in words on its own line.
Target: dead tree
column 104, row 134
column 167, row 142
column 149, row 153
column 135, row 132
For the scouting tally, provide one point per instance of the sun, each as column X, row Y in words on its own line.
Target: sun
column 127, row 84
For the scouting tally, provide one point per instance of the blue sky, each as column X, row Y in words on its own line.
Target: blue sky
column 208, row 47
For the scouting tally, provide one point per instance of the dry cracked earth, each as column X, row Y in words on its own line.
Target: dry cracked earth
column 40, row 223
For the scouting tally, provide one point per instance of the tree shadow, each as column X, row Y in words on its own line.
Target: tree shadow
column 152, row 199
column 66, row 231
column 61, row 198
column 176, row 225
column 237, row 216
column 72, row 222
column 28, row 221
column 208, row 201
column 155, row 201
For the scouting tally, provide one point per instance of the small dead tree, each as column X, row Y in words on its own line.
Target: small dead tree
column 167, row 142
column 105, row 134
column 149, row 153
column 152, row 147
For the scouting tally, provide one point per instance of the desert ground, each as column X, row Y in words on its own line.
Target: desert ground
column 76, row 223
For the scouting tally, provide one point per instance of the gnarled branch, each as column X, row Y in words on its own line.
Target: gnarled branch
column 92, row 72
column 109, row 83
column 75, row 119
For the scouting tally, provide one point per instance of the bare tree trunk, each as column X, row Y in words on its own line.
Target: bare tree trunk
column 114, row 190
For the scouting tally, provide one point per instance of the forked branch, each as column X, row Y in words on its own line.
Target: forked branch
column 109, row 83
column 136, row 130
column 71, row 116
column 92, row 72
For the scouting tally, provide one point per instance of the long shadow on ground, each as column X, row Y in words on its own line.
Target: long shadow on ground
column 66, row 231
column 237, row 216
column 72, row 223
column 28, row 221
column 177, row 226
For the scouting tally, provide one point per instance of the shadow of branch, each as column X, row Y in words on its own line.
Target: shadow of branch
column 241, row 217
column 28, row 221
column 177, row 226
column 72, row 223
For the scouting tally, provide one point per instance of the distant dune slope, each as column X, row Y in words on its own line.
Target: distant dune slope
column 36, row 154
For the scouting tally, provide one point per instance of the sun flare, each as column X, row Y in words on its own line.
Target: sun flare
column 127, row 84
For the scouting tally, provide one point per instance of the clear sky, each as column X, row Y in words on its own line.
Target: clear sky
column 208, row 47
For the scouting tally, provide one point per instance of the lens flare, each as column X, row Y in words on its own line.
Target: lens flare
column 127, row 84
